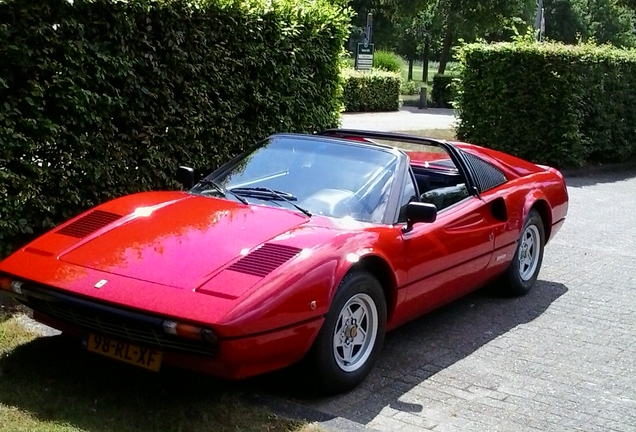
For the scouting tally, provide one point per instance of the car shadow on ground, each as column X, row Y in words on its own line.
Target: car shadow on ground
column 418, row 350
column 53, row 378
column 429, row 111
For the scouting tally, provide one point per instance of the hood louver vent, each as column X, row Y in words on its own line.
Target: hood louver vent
column 89, row 224
column 265, row 259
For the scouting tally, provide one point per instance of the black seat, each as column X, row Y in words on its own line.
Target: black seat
column 446, row 196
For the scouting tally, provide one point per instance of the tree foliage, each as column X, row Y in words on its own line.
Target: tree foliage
column 601, row 21
column 402, row 25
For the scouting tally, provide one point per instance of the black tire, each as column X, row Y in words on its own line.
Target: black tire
column 512, row 283
column 327, row 374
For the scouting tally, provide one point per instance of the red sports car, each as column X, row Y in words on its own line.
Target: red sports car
column 304, row 247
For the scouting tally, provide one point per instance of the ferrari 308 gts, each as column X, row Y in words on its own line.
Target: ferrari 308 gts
column 304, row 247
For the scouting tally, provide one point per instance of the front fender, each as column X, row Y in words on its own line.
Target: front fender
column 303, row 289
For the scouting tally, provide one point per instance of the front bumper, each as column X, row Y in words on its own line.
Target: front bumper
column 233, row 358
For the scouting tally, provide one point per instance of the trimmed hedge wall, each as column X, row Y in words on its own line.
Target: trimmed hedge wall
column 444, row 90
column 102, row 98
column 555, row 104
column 371, row 91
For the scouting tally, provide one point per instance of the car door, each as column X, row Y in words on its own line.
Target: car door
column 447, row 258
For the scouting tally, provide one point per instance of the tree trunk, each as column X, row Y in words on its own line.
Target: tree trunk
column 427, row 49
column 411, row 60
column 446, row 49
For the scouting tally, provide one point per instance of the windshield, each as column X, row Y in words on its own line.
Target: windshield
column 315, row 176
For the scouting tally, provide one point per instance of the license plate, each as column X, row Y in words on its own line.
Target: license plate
column 139, row 356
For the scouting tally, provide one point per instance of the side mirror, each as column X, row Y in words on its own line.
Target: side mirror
column 185, row 176
column 419, row 212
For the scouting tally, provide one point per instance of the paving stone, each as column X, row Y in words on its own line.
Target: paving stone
column 559, row 359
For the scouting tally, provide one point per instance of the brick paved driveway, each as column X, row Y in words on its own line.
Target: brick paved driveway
column 562, row 358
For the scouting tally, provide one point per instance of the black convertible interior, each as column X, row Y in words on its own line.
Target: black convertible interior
column 440, row 184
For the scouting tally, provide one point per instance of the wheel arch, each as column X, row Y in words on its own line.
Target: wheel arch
column 382, row 271
column 542, row 206
column 536, row 200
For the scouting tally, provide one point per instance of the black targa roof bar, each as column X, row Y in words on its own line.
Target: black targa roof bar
column 389, row 136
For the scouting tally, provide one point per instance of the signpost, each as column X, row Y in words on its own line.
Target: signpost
column 364, row 56
column 365, row 50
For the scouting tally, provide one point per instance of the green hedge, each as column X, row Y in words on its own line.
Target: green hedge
column 444, row 92
column 101, row 98
column 387, row 61
column 410, row 87
column 371, row 91
column 555, row 104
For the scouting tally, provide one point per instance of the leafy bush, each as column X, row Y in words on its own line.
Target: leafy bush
column 371, row 91
column 410, row 88
column 387, row 61
column 444, row 90
column 101, row 97
column 554, row 104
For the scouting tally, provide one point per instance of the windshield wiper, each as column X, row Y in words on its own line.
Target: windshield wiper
column 222, row 191
column 267, row 193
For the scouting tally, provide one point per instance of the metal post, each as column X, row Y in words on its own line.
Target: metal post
column 423, row 104
column 539, row 21
column 427, row 47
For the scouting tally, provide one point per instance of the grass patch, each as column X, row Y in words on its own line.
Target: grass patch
column 9, row 307
column 12, row 334
column 417, row 72
column 51, row 384
column 433, row 67
column 442, row 134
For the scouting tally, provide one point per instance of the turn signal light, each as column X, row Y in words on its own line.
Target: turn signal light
column 188, row 331
column 5, row 283
column 10, row 285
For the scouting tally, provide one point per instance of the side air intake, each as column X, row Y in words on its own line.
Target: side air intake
column 265, row 259
column 88, row 224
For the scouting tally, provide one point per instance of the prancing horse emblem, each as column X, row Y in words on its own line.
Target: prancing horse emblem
column 101, row 283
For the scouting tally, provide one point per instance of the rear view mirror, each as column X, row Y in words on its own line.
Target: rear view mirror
column 185, row 176
column 419, row 212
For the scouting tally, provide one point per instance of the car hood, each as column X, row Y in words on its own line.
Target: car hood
column 181, row 242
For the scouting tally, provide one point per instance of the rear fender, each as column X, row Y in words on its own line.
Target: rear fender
column 537, row 199
column 531, row 199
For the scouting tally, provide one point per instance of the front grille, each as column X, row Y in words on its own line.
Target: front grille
column 118, row 328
